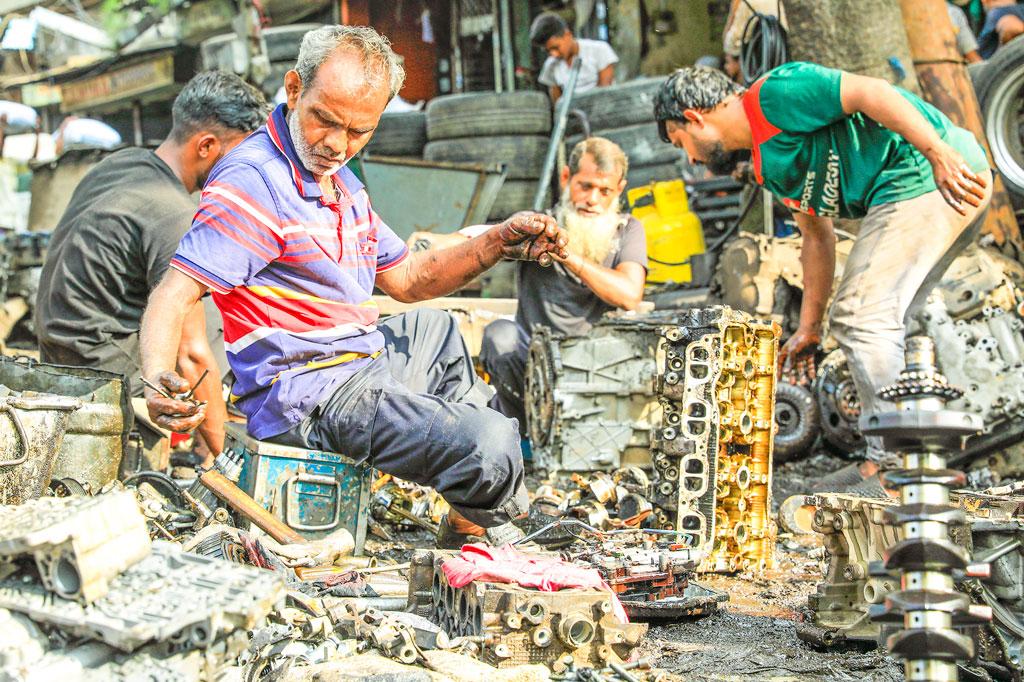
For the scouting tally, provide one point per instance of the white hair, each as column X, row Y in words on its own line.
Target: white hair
column 381, row 64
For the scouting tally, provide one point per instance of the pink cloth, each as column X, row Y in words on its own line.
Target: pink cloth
column 509, row 565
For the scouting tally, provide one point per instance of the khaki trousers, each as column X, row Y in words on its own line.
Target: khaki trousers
column 900, row 254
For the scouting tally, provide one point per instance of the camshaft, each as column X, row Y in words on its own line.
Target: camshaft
column 928, row 607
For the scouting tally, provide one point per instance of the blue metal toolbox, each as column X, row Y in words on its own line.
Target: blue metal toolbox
column 313, row 492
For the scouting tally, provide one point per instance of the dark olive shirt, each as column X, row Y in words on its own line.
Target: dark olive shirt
column 109, row 250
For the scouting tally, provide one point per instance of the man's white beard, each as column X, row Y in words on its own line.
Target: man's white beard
column 306, row 153
column 592, row 238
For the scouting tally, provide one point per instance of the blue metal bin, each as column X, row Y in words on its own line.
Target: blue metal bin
column 313, row 492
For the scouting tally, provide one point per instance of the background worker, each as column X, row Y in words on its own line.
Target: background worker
column 834, row 144
column 1004, row 21
column 119, row 232
column 966, row 42
column 550, row 32
column 286, row 239
column 605, row 270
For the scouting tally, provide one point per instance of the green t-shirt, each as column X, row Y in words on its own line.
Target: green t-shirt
column 819, row 160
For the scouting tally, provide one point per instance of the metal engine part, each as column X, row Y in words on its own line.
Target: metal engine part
column 591, row 400
column 653, row 583
column 713, row 455
column 976, row 319
column 79, row 543
column 855, row 536
column 179, row 600
column 27, row 655
column 838, row 403
column 928, row 607
column 763, row 276
column 517, row 625
column 690, row 394
column 32, row 428
column 95, row 439
column 21, row 262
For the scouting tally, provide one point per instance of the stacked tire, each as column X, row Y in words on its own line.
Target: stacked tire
column 512, row 128
column 624, row 114
column 403, row 134
column 999, row 84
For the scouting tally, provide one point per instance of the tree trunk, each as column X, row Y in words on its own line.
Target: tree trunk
column 945, row 83
column 861, row 36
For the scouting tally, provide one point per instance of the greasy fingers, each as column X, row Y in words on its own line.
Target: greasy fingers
column 175, row 415
column 169, row 412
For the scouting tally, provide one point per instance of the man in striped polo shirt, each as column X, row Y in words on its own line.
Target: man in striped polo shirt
column 286, row 239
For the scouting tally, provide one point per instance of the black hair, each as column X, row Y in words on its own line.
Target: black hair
column 545, row 27
column 217, row 99
column 695, row 87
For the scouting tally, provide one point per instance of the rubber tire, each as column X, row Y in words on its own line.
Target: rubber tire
column 995, row 86
column 974, row 71
column 641, row 143
column 645, row 175
column 402, row 134
column 620, row 105
column 798, row 439
column 515, row 196
column 283, row 41
column 485, row 114
column 524, row 155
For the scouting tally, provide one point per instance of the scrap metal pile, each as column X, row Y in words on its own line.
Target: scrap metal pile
column 682, row 403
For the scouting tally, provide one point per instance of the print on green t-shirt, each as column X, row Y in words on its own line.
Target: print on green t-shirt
column 819, row 160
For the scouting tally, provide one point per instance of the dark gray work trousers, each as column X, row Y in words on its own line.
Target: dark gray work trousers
column 418, row 412
column 503, row 352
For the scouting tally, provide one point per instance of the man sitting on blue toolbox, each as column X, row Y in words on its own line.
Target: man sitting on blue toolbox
column 287, row 241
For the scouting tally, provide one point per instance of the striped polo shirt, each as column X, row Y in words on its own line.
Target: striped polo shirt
column 292, row 275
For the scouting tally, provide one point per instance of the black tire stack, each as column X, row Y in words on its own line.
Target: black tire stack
column 624, row 114
column 403, row 134
column 487, row 128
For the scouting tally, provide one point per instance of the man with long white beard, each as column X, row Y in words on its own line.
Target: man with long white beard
column 605, row 270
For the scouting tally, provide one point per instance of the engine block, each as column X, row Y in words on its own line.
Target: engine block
column 688, row 394
column 855, row 535
column 517, row 625
column 713, row 455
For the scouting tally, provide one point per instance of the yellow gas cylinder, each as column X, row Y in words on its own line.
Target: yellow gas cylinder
column 674, row 232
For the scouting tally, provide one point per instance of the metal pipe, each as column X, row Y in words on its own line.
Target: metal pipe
column 557, row 132
column 507, row 53
column 237, row 499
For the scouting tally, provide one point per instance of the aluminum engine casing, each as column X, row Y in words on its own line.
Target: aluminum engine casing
column 521, row 625
column 976, row 319
column 80, row 544
column 855, row 534
column 591, row 401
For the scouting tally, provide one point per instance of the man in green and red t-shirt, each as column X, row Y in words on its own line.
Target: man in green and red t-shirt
column 831, row 144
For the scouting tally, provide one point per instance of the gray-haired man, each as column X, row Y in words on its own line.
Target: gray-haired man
column 605, row 270
column 119, row 231
column 287, row 240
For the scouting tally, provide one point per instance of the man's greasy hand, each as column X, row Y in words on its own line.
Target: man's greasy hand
column 796, row 357
column 957, row 183
column 175, row 415
column 532, row 236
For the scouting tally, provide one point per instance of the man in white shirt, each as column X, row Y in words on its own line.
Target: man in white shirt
column 550, row 32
